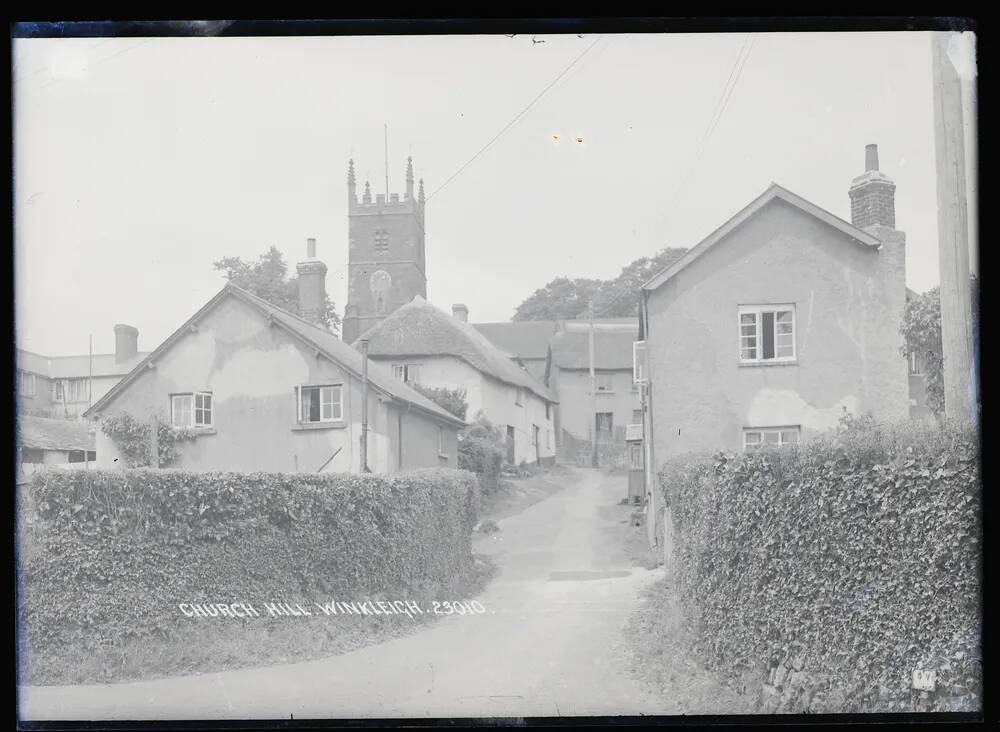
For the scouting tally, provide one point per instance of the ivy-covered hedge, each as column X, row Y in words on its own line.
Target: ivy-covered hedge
column 109, row 554
column 823, row 575
column 482, row 450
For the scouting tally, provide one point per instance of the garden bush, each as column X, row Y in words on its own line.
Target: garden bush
column 482, row 449
column 107, row 555
column 826, row 573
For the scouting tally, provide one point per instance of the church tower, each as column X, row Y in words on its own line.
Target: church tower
column 386, row 265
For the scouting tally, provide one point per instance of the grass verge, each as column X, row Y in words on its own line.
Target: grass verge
column 203, row 645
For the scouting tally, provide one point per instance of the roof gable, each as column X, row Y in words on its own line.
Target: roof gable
column 420, row 329
column 325, row 343
column 773, row 192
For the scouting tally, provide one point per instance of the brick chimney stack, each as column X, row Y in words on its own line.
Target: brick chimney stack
column 126, row 342
column 312, row 284
column 461, row 312
column 872, row 195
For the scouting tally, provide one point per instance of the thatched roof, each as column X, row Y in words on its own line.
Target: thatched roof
column 420, row 329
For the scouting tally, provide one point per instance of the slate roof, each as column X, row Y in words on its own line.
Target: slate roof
column 70, row 367
column 325, row 342
column 42, row 433
column 420, row 329
column 527, row 339
column 612, row 345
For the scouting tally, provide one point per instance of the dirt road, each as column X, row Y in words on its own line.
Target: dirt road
column 549, row 644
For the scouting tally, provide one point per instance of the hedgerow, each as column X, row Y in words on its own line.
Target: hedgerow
column 107, row 555
column 823, row 575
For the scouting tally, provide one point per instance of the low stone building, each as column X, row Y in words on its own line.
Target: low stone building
column 44, row 442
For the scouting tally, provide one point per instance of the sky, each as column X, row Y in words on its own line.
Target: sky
column 140, row 162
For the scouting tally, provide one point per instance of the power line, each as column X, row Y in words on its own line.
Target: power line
column 720, row 108
column 514, row 120
column 103, row 60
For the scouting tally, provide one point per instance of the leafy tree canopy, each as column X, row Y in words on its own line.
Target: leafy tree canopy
column 450, row 400
column 563, row 298
column 921, row 330
column 268, row 278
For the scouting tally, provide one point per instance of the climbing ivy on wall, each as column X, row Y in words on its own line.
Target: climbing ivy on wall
column 132, row 439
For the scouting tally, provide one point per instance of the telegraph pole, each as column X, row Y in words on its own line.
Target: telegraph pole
column 960, row 391
column 364, row 405
column 593, row 390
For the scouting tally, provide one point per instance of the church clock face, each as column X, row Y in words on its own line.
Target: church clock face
column 380, row 282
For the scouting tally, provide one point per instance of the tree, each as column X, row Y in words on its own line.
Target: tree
column 620, row 297
column 267, row 278
column 451, row 400
column 563, row 298
column 560, row 299
column 921, row 330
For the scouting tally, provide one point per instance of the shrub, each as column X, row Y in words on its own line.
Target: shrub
column 107, row 555
column 830, row 571
column 452, row 401
column 482, row 449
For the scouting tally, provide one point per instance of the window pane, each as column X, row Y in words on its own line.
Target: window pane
column 413, row 373
column 753, row 438
column 789, row 437
column 181, row 410
column 772, row 438
column 767, row 335
column 310, row 404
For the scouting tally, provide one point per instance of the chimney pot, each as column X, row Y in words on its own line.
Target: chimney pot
column 312, row 284
column 871, row 157
column 461, row 312
column 126, row 342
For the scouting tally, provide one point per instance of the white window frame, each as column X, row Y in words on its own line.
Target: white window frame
column 58, row 391
column 757, row 311
column 76, row 390
column 914, row 364
column 442, row 447
column 335, row 415
column 401, row 371
column 609, row 382
column 518, row 396
column 639, row 364
column 762, row 431
column 193, row 409
column 27, row 383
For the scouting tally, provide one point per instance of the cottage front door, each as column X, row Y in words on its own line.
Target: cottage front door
column 510, row 445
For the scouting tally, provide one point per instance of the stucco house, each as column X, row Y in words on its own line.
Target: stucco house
column 616, row 400
column 782, row 320
column 557, row 352
column 423, row 344
column 62, row 387
column 267, row 390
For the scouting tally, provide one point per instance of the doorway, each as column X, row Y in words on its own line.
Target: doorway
column 510, row 445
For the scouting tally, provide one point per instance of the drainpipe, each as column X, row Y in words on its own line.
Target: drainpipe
column 364, row 406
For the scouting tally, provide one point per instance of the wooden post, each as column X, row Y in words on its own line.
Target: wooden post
column 960, row 392
column 154, row 442
column 593, row 390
